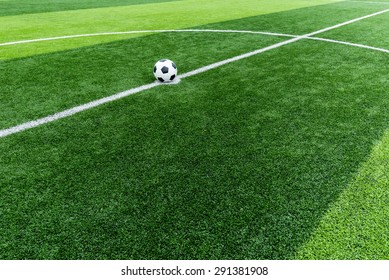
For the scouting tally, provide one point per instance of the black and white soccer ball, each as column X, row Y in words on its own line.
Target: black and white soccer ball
column 165, row 71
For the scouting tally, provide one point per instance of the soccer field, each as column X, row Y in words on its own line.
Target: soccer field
column 274, row 144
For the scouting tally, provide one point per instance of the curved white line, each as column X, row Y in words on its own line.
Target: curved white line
column 194, row 31
column 141, row 31
column 93, row 104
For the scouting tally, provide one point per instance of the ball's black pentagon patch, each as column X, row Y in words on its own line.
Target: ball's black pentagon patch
column 161, row 80
column 172, row 77
column 174, row 66
column 155, row 69
column 165, row 69
column 162, row 60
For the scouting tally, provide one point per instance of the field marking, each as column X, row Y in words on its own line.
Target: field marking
column 140, row 31
column 93, row 104
column 194, row 31
column 349, row 44
column 75, row 110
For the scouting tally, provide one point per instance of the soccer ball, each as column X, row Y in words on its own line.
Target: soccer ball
column 165, row 70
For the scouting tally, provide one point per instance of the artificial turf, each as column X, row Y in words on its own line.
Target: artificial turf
column 66, row 79
column 164, row 15
column 263, row 158
column 356, row 227
column 8, row 8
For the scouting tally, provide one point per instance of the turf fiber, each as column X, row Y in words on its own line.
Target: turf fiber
column 278, row 156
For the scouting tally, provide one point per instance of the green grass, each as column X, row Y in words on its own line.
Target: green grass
column 277, row 156
column 136, row 17
column 10, row 7
column 379, row 36
column 66, row 79
column 356, row 226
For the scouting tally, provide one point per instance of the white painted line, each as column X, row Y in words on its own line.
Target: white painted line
column 194, row 31
column 345, row 23
column 137, row 32
column 93, row 104
column 349, row 44
column 239, row 57
column 78, row 36
column 186, row 30
column 75, row 110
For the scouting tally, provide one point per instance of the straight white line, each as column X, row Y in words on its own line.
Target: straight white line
column 194, row 31
column 93, row 104
column 349, row 44
column 239, row 57
column 74, row 110
column 345, row 23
